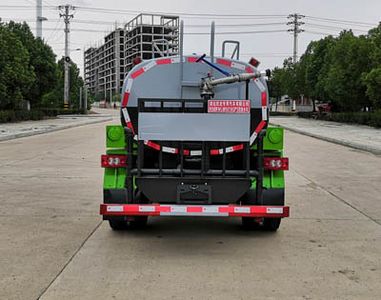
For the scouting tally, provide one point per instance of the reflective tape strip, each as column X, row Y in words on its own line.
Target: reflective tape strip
column 260, row 85
column 147, row 208
column 125, row 115
column 129, row 84
column 152, row 145
column 264, row 99
column 274, row 210
column 245, row 210
column 186, row 152
column 224, row 62
column 237, row 147
column 129, row 125
column 193, row 210
column 114, row 208
column 137, row 73
column 253, row 137
column 238, row 66
column 150, row 65
column 227, row 150
column 170, row 150
column 195, row 152
column 188, row 210
column 264, row 105
column 249, row 69
column 174, row 210
column 215, row 151
column 125, row 99
column 175, row 60
column 260, row 127
column 164, row 61
column 192, row 59
column 264, row 113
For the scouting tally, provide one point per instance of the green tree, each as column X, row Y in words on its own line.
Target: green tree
column 41, row 59
column 16, row 76
column 316, row 62
column 54, row 99
column 372, row 82
column 349, row 61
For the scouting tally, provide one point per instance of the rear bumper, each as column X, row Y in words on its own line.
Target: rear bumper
column 194, row 210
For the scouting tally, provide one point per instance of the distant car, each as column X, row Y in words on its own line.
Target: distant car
column 324, row 107
column 103, row 104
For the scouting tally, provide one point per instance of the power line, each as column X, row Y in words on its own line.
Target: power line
column 54, row 31
column 235, row 25
column 80, row 21
column 24, row 7
column 319, row 33
column 341, row 21
column 188, row 33
column 333, row 27
column 100, row 9
column 236, row 32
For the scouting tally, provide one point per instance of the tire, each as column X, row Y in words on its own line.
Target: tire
column 271, row 224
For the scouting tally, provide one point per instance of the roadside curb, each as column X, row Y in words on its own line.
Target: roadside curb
column 26, row 134
column 332, row 140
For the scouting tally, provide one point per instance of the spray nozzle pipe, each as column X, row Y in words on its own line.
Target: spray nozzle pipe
column 202, row 58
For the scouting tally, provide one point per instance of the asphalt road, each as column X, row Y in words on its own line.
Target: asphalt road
column 54, row 246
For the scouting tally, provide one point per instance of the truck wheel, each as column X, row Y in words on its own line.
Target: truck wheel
column 118, row 225
column 271, row 224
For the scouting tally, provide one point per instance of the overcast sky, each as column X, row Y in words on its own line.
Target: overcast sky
column 269, row 48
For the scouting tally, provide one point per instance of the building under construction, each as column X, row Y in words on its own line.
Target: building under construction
column 104, row 65
column 146, row 36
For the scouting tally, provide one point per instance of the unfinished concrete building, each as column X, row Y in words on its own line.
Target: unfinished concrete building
column 146, row 36
column 104, row 66
column 149, row 36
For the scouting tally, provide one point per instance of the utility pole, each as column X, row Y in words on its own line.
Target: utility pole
column 39, row 19
column 85, row 102
column 80, row 98
column 65, row 14
column 295, row 29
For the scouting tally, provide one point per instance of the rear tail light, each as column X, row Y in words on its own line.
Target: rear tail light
column 275, row 163
column 254, row 62
column 113, row 161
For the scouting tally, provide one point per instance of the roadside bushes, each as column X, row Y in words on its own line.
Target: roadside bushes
column 281, row 114
column 35, row 114
column 20, row 115
column 363, row 118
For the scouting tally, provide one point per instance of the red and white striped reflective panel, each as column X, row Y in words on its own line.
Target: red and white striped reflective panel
column 194, row 210
column 229, row 106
